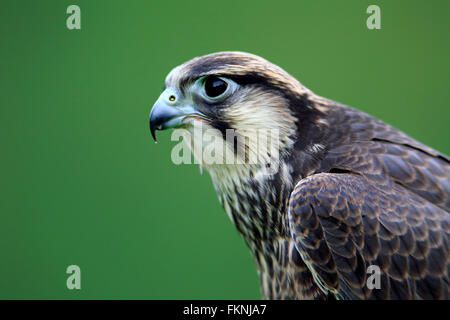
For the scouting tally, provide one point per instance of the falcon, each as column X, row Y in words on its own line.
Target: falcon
column 343, row 207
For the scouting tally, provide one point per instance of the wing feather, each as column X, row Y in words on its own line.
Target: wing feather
column 343, row 223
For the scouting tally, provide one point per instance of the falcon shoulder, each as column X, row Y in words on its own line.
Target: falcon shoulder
column 363, row 144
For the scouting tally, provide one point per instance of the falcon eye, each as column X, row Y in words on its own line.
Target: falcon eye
column 215, row 86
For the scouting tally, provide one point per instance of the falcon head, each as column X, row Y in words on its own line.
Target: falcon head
column 238, row 94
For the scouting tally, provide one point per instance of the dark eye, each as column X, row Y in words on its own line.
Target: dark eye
column 214, row 87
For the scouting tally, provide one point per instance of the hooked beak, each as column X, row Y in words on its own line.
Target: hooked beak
column 166, row 114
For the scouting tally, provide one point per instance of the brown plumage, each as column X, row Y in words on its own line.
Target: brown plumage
column 350, row 192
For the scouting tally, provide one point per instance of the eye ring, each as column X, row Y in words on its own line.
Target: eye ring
column 215, row 87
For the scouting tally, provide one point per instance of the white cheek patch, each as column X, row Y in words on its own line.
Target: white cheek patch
column 258, row 110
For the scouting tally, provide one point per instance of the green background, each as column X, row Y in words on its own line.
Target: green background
column 82, row 181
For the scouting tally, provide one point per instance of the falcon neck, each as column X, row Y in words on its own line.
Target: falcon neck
column 256, row 204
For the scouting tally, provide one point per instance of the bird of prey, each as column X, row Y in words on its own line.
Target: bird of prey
column 356, row 208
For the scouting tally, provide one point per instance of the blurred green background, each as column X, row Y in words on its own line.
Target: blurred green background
column 82, row 181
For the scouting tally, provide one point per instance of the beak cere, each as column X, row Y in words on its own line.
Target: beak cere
column 169, row 113
column 163, row 117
